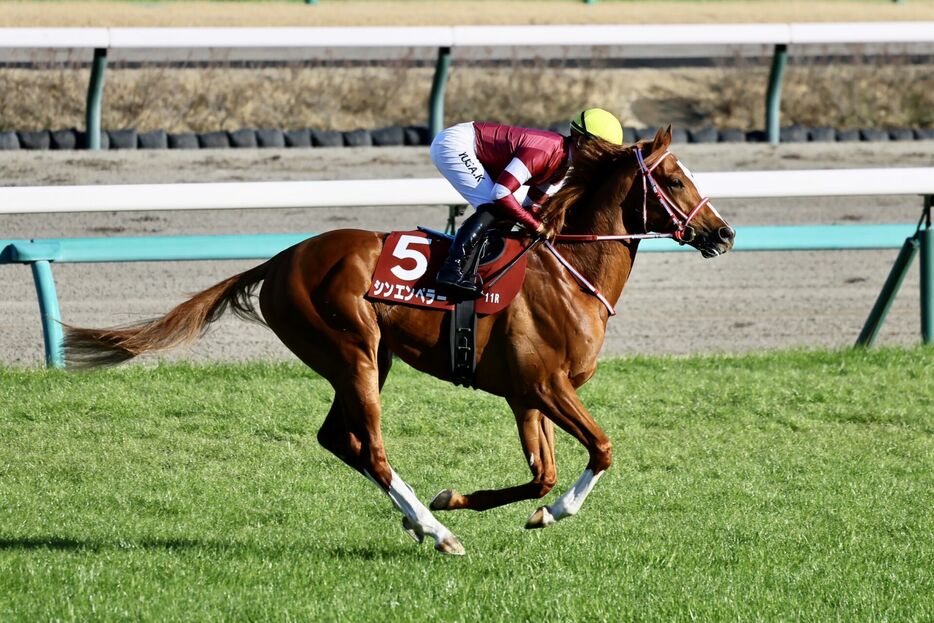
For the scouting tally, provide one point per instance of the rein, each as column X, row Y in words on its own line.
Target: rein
column 683, row 232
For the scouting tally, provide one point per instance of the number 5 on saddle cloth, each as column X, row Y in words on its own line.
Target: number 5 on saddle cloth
column 405, row 275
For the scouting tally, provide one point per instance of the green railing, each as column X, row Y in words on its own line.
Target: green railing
column 43, row 253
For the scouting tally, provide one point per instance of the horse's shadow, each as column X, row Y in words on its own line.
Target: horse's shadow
column 57, row 543
column 71, row 544
column 50, row 542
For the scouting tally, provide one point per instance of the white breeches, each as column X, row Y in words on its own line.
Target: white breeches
column 454, row 153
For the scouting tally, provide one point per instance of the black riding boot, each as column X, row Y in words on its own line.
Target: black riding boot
column 458, row 273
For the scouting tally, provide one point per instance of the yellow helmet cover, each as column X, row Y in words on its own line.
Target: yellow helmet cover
column 600, row 123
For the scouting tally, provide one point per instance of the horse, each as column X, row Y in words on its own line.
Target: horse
column 535, row 353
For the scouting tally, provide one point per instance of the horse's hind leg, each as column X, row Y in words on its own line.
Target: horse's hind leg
column 352, row 432
column 335, row 434
column 358, row 395
column 537, row 436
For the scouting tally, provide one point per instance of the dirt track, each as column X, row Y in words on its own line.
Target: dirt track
column 381, row 13
column 739, row 302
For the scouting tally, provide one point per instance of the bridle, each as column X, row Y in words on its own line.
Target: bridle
column 683, row 232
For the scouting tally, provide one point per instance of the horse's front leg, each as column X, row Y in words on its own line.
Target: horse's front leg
column 537, row 436
column 560, row 403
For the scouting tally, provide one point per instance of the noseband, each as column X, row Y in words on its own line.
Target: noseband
column 683, row 231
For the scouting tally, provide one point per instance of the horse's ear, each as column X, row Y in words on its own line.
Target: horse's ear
column 662, row 140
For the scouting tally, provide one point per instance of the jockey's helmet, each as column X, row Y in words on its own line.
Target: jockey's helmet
column 598, row 122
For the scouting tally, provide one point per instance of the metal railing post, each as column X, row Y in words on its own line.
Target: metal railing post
column 892, row 283
column 95, row 96
column 50, row 313
column 453, row 212
column 773, row 99
column 438, row 83
column 927, row 274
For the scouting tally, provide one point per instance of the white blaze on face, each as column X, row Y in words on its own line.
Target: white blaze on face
column 690, row 175
column 687, row 171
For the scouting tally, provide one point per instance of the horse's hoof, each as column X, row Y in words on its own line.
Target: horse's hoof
column 442, row 501
column 412, row 529
column 450, row 545
column 540, row 519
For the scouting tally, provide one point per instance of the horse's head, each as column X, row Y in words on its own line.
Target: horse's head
column 671, row 203
column 642, row 188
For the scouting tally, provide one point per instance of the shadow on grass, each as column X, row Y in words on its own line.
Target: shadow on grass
column 56, row 543
column 93, row 545
column 53, row 543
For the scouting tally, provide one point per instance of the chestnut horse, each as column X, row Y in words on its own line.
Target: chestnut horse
column 535, row 353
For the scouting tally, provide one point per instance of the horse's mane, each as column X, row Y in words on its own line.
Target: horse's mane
column 594, row 162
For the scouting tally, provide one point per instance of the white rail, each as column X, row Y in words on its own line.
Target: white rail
column 458, row 36
column 435, row 191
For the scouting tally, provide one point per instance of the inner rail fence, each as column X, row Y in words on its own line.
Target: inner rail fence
column 40, row 254
column 447, row 38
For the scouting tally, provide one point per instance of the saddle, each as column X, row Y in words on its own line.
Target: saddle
column 405, row 275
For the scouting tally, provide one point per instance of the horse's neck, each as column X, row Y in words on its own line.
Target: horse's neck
column 605, row 264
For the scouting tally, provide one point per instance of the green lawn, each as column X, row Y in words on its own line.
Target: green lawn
column 785, row 486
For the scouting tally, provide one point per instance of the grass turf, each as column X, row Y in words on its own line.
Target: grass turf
column 782, row 486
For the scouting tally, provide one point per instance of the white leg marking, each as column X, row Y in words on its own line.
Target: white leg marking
column 404, row 499
column 572, row 500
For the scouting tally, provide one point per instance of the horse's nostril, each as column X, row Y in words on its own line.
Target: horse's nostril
column 727, row 234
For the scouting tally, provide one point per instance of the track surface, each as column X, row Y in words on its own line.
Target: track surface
column 445, row 12
column 674, row 303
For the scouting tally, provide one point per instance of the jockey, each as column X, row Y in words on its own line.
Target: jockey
column 488, row 162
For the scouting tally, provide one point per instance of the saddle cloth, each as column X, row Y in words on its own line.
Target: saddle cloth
column 410, row 260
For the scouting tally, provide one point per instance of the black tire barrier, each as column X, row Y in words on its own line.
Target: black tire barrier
column 793, row 134
column 757, row 136
column 123, row 139
column 129, row 138
column 184, row 140
column 358, row 138
column 560, row 128
column 678, row 135
column 703, row 135
column 819, row 135
column 643, row 134
column 62, row 140
column 298, row 138
column 731, row 135
column 417, row 135
column 9, row 141
column 901, row 134
column 157, row 139
column 35, row 140
column 270, row 137
column 242, row 139
column 847, row 136
column 872, row 134
column 390, row 136
column 83, row 140
column 327, row 138
column 214, row 140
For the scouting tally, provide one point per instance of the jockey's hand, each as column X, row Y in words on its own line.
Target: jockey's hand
column 544, row 231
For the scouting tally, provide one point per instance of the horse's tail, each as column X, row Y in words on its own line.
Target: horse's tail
column 89, row 348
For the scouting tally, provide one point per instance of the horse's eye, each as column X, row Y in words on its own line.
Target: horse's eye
column 677, row 184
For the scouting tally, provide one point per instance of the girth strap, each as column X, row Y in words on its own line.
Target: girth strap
column 463, row 343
